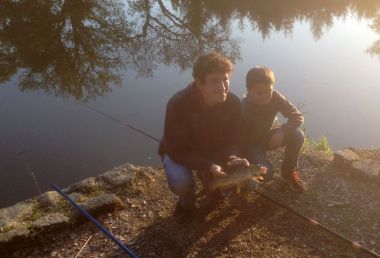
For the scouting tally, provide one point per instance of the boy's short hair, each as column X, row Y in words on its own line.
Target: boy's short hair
column 259, row 74
column 209, row 63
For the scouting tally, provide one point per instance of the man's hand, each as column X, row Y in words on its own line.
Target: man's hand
column 276, row 140
column 217, row 170
column 263, row 170
column 238, row 162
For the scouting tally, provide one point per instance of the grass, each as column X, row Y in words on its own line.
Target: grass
column 321, row 144
column 34, row 215
column 5, row 230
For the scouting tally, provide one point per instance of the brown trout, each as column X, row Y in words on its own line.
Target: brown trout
column 237, row 178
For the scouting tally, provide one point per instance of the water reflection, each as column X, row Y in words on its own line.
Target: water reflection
column 273, row 16
column 267, row 16
column 162, row 35
column 79, row 47
column 66, row 48
column 375, row 48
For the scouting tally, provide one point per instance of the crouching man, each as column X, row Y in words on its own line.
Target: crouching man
column 201, row 131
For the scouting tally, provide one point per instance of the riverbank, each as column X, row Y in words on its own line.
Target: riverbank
column 134, row 203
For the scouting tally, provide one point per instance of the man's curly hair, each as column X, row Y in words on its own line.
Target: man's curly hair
column 209, row 63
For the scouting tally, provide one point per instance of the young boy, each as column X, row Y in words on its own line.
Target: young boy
column 260, row 106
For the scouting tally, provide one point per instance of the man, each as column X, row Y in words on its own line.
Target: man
column 201, row 131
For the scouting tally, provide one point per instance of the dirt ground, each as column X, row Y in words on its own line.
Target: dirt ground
column 244, row 225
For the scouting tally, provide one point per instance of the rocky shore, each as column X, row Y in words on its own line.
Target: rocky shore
column 135, row 204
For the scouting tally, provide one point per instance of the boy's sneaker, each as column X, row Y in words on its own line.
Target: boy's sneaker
column 182, row 215
column 294, row 181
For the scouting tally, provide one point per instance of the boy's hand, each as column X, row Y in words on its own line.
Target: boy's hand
column 238, row 162
column 276, row 140
column 217, row 171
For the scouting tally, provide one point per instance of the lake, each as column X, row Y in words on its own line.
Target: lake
column 127, row 58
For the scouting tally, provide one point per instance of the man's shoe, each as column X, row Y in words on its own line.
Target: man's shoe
column 182, row 215
column 294, row 182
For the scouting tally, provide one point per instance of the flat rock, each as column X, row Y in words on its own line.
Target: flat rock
column 344, row 158
column 75, row 196
column 366, row 167
column 317, row 158
column 118, row 178
column 126, row 167
column 100, row 205
column 12, row 236
column 49, row 199
column 9, row 216
column 84, row 186
column 51, row 221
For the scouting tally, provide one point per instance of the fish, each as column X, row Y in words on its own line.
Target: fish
column 237, row 178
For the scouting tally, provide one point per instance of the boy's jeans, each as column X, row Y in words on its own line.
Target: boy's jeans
column 180, row 182
column 293, row 141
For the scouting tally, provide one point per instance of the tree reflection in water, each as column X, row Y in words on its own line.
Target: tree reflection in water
column 79, row 48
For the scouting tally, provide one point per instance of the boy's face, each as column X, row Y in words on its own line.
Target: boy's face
column 214, row 88
column 260, row 93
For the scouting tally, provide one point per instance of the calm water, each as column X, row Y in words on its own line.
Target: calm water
column 127, row 58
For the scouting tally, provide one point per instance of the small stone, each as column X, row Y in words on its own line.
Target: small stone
column 344, row 158
column 120, row 237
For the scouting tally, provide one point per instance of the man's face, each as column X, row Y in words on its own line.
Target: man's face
column 214, row 88
column 260, row 93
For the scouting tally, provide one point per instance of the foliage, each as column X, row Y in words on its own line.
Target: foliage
column 321, row 144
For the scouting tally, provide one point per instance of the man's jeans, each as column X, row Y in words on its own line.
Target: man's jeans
column 180, row 182
column 293, row 141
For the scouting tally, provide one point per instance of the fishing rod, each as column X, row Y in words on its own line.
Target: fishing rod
column 121, row 122
column 314, row 222
column 95, row 222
